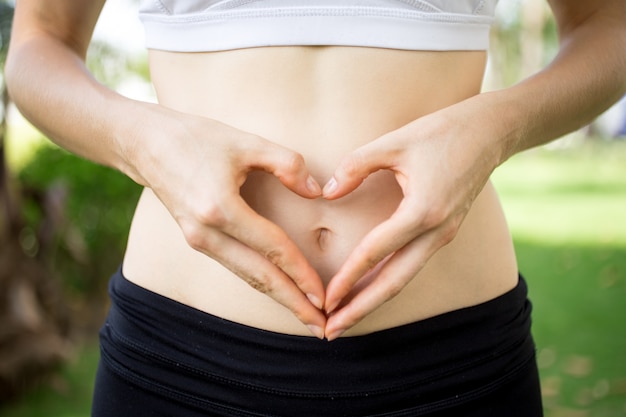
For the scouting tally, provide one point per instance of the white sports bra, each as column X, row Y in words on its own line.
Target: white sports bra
column 217, row 25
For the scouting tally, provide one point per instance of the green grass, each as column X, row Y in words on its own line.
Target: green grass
column 65, row 394
column 567, row 211
column 567, row 196
column 578, row 294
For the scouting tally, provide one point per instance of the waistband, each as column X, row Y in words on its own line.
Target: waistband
column 463, row 352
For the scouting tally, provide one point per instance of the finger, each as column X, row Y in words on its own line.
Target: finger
column 397, row 272
column 389, row 236
column 355, row 167
column 269, row 240
column 288, row 166
column 263, row 276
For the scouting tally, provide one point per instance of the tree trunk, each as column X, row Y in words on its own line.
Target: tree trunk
column 34, row 331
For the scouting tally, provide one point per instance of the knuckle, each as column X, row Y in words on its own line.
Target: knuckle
column 292, row 162
column 393, row 289
column 199, row 238
column 261, row 283
column 449, row 233
column 275, row 256
column 295, row 161
column 433, row 217
column 194, row 237
column 211, row 214
column 370, row 260
column 352, row 163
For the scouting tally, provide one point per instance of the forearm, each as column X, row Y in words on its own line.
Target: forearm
column 586, row 77
column 53, row 89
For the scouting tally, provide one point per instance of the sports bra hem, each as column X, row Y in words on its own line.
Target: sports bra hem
column 171, row 33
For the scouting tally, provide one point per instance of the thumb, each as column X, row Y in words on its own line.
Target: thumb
column 289, row 167
column 354, row 168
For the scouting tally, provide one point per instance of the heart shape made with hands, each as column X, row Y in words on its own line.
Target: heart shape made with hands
column 355, row 275
column 437, row 182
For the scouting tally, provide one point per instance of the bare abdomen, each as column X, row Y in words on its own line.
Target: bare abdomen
column 322, row 103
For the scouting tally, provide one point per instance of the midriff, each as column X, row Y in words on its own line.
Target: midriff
column 322, row 102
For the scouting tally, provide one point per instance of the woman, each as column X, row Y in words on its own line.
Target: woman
column 402, row 258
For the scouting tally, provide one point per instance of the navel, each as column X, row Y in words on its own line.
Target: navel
column 323, row 236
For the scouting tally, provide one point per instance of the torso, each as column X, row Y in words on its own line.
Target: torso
column 322, row 102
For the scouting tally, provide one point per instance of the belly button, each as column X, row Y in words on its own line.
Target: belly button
column 323, row 235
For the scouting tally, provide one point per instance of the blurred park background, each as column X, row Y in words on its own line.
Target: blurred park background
column 63, row 225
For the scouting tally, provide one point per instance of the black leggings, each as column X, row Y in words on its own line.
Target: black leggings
column 162, row 358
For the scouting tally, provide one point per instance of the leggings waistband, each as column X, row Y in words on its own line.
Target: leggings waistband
column 152, row 339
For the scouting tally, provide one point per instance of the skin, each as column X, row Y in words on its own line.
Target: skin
column 168, row 148
column 319, row 103
column 563, row 97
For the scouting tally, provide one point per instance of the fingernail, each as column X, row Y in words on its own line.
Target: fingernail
column 315, row 301
column 332, row 307
column 313, row 186
column 330, row 187
column 316, row 330
column 334, row 335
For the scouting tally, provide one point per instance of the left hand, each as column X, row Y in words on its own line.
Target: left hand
column 441, row 161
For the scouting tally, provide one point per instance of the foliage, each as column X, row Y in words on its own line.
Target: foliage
column 578, row 322
column 113, row 67
column 577, row 286
column 571, row 193
column 6, row 18
column 34, row 329
column 61, row 225
column 98, row 208
column 565, row 207
column 524, row 39
column 67, row 394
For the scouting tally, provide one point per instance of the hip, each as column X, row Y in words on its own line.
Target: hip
column 322, row 103
column 477, row 266
column 223, row 368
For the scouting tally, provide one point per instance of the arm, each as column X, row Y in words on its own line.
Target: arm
column 193, row 164
column 443, row 160
column 586, row 77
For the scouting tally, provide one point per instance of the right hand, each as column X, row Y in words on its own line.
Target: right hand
column 196, row 167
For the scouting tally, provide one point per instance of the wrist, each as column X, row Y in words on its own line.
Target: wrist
column 503, row 124
column 131, row 136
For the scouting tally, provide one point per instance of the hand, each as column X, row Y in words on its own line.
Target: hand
column 441, row 162
column 196, row 166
